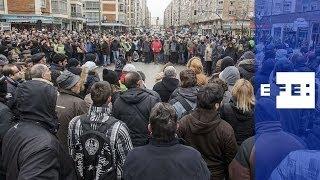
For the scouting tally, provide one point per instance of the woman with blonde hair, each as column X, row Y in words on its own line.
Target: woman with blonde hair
column 195, row 64
column 239, row 111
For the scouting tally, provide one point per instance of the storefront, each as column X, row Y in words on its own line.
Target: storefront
column 27, row 21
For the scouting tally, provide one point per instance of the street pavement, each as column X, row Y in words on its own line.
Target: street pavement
column 150, row 70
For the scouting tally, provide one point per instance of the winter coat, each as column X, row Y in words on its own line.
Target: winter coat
column 133, row 107
column 241, row 122
column 156, row 46
column 105, row 48
column 273, row 145
column 5, row 124
column 189, row 94
column 165, row 160
column 214, row 138
column 146, row 47
column 69, row 105
column 166, row 87
column 115, row 45
column 32, row 150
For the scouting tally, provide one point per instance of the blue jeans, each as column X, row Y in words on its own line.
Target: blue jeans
column 115, row 55
column 106, row 60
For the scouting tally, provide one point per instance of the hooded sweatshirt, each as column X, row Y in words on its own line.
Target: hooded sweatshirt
column 212, row 137
column 189, row 95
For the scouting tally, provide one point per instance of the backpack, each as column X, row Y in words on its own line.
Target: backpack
column 94, row 151
column 185, row 105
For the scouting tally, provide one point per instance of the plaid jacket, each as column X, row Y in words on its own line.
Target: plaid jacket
column 122, row 144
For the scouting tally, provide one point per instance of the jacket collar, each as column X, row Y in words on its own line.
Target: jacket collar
column 161, row 143
column 43, row 80
column 99, row 110
column 268, row 127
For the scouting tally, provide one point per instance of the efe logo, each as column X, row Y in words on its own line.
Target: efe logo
column 297, row 90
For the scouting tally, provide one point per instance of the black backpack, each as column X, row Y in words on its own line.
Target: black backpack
column 95, row 149
column 185, row 105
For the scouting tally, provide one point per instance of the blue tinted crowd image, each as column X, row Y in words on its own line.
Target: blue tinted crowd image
column 287, row 140
column 77, row 105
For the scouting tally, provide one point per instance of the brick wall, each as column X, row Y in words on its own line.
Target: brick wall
column 21, row 6
column 25, row 7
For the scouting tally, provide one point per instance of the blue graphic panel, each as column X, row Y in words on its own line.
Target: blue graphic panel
column 287, row 112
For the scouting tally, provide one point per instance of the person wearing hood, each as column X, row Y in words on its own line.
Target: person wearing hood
column 239, row 111
column 6, row 118
column 230, row 75
column 31, row 149
column 300, row 63
column 263, row 74
column 205, row 131
column 259, row 155
column 133, row 107
column 184, row 98
column 246, row 69
column 69, row 103
column 168, row 84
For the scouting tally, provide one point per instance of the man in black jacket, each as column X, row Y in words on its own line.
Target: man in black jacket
column 164, row 157
column 133, row 107
column 168, row 84
column 30, row 148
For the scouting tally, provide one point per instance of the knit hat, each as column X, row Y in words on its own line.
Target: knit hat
column 73, row 62
column 226, row 62
column 129, row 68
column 230, row 75
column 36, row 58
column 90, row 65
column 170, row 71
column 110, row 76
column 67, row 80
column 90, row 57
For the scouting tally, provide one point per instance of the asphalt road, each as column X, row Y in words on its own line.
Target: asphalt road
column 150, row 70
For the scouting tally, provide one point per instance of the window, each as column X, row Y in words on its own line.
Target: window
column 73, row 8
column 305, row 8
column 43, row 3
column 287, row 7
column 1, row 5
column 92, row 5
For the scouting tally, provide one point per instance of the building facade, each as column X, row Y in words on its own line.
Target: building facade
column 295, row 22
column 210, row 15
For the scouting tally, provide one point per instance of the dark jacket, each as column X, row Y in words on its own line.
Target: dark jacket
column 105, row 48
column 32, row 151
column 241, row 122
column 115, row 45
column 169, row 161
column 133, row 107
column 69, row 105
column 166, row 87
column 189, row 94
column 5, row 124
column 246, row 69
column 212, row 137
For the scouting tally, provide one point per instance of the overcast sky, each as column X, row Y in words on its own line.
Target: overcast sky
column 157, row 8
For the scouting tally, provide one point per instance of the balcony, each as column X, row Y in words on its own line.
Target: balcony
column 76, row 15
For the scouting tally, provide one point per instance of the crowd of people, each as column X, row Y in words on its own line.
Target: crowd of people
column 60, row 119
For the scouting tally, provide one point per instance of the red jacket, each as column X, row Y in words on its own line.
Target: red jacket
column 156, row 46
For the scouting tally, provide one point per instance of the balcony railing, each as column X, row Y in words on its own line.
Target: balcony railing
column 76, row 14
